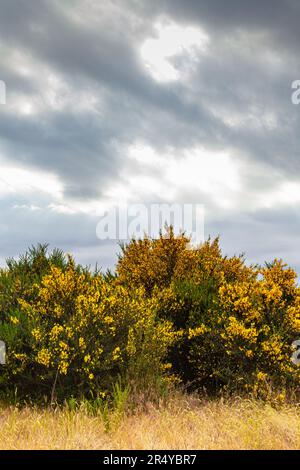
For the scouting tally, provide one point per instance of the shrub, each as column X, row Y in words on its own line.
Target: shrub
column 150, row 263
column 16, row 281
column 82, row 333
column 170, row 311
column 235, row 323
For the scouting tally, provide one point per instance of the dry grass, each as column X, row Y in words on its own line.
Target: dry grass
column 183, row 423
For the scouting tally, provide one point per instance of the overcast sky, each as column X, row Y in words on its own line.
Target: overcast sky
column 177, row 101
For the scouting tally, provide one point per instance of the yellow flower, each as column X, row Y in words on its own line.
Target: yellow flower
column 81, row 343
column 87, row 358
column 56, row 331
column 63, row 345
column 36, row 333
column 20, row 357
column 116, row 353
column 261, row 376
column 108, row 319
column 44, row 357
column 63, row 367
column 64, row 355
column 167, row 366
column 194, row 332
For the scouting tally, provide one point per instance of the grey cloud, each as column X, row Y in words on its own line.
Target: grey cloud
column 86, row 148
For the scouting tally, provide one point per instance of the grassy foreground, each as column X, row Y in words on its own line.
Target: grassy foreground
column 182, row 423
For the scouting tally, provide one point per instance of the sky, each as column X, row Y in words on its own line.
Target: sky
column 161, row 101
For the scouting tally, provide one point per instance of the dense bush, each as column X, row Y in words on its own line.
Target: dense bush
column 237, row 323
column 73, row 333
column 171, row 312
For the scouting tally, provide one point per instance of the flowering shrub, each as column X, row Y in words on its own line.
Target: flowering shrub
column 82, row 333
column 170, row 312
column 154, row 263
column 235, row 323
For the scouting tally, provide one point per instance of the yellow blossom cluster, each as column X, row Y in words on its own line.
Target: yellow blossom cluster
column 171, row 312
column 87, row 330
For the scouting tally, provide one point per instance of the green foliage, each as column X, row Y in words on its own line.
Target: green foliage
column 74, row 332
column 235, row 323
column 170, row 313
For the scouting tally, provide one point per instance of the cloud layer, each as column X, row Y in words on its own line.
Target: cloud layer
column 161, row 101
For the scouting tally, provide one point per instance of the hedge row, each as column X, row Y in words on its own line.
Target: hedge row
column 171, row 313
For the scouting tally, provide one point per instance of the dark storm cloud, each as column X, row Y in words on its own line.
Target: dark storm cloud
column 236, row 98
column 77, row 146
column 277, row 16
column 110, row 58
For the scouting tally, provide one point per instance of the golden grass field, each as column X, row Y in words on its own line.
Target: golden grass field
column 182, row 423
